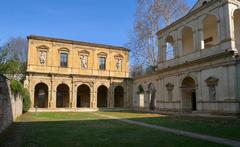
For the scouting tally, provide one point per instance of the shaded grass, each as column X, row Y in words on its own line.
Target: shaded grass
column 227, row 128
column 87, row 130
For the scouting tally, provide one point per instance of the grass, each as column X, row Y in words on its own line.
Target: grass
column 227, row 128
column 87, row 129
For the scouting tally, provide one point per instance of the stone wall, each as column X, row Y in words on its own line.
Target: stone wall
column 10, row 104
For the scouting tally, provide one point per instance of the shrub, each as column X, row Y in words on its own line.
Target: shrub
column 26, row 99
column 18, row 88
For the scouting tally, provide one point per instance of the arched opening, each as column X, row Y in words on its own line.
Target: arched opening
column 83, row 96
column 236, row 17
column 62, row 96
column 41, row 95
column 169, row 48
column 152, row 100
column 102, row 96
column 187, row 40
column 189, row 94
column 119, row 96
column 210, row 31
column 140, row 96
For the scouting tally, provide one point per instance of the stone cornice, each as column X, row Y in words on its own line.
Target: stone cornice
column 35, row 37
column 198, row 61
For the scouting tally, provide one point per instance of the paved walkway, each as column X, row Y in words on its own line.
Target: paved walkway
column 178, row 132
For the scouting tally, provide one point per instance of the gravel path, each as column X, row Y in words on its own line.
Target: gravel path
column 220, row 140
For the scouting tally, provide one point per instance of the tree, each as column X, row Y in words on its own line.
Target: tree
column 150, row 17
column 17, row 46
column 13, row 58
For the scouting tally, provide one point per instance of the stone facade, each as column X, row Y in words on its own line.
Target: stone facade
column 199, row 64
column 10, row 105
column 72, row 74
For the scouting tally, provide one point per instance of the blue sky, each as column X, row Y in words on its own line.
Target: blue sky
column 100, row 21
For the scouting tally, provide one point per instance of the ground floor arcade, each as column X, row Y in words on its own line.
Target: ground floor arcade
column 78, row 92
column 200, row 87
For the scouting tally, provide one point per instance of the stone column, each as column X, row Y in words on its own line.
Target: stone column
column 74, row 96
column 160, row 50
column 49, row 99
column 70, row 96
column 109, row 95
column 201, row 38
column 53, row 93
column 31, row 90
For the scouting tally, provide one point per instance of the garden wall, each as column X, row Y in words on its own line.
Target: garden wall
column 10, row 104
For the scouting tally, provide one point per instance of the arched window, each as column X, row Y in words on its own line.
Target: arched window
column 169, row 48
column 210, row 31
column 187, row 40
column 236, row 17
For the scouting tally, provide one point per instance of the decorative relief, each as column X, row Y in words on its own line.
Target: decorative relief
column 118, row 63
column 212, row 83
column 170, row 87
column 42, row 57
column 84, row 58
column 42, row 52
column 84, row 61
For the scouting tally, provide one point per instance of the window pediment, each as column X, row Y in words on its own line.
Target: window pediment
column 103, row 54
column 212, row 81
column 42, row 48
column 83, row 52
column 63, row 50
column 118, row 56
column 169, row 87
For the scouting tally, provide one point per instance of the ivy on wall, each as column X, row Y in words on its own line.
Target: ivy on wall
column 18, row 88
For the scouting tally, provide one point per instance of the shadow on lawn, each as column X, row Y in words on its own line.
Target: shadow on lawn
column 101, row 132
column 107, row 132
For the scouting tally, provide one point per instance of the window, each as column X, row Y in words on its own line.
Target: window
column 169, row 48
column 210, row 31
column 63, row 59
column 102, row 63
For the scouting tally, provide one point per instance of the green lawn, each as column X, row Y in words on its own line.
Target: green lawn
column 227, row 128
column 88, row 129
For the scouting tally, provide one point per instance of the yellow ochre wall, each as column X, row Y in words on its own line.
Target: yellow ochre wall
column 54, row 47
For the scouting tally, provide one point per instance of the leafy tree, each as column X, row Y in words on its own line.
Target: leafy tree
column 13, row 56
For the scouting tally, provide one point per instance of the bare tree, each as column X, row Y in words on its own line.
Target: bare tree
column 17, row 46
column 150, row 17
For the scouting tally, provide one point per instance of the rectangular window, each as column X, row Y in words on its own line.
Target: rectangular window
column 63, row 59
column 102, row 63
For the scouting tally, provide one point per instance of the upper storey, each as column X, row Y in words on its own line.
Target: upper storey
column 210, row 28
column 60, row 56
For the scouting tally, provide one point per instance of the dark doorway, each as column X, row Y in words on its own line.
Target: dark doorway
column 41, row 95
column 152, row 104
column 83, row 96
column 194, row 103
column 189, row 98
column 102, row 96
column 62, row 96
column 119, row 97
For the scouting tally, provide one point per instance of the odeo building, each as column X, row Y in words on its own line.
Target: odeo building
column 199, row 64
column 72, row 74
